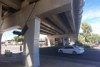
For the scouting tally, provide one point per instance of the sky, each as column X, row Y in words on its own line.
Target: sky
column 91, row 14
column 9, row 35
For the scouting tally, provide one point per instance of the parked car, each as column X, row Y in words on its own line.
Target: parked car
column 72, row 50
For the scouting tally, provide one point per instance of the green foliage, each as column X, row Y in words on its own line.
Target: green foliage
column 8, row 53
column 86, row 29
column 87, row 36
column 96, row 38
column 90, row 39
column 19, row 38
column 81, row 39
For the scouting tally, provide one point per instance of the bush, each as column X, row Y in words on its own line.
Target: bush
column 8, row 53
column 88, row 45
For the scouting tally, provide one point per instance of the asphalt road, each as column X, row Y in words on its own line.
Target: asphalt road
column 90, row 54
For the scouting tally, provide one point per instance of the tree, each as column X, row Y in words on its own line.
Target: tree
column 96, row 38
column 87, row 35
column 81, row 39
column 90, row 39
column 19, row 38
column 87, row 30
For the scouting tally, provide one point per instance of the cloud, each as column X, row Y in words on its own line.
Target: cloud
column 96, row 28
column 81, row 31
column 91, row 14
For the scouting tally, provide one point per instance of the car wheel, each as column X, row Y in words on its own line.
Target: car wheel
column 74, row 52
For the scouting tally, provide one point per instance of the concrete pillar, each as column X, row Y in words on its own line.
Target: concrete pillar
column 0, row 25
column 65, row 41
column 73, row 39
column 0, row 42
column 51, row 40
column 0, row 14
column 48, row 41
column 31, row 48
column 25, row 3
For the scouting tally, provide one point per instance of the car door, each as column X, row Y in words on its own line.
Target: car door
column 68, row 49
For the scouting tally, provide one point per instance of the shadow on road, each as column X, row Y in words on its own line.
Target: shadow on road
column 11, row 61
column 90, row 54
column 90, row 57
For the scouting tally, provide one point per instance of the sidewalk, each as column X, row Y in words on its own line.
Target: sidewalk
column 13, row 61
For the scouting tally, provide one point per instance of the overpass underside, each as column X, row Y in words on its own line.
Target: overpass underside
column 55, row 18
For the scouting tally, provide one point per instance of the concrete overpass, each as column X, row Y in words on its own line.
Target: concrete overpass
column 55, row 18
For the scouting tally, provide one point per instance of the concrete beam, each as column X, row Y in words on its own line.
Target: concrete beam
column 42, row 8
column 50, row 7
column 63, row 36
column 71, row 20
column 60, row 23
column 45, row 33
column 12, row 3
column 48, row 29
column 77, row 8
column 72, row 16
column 53, row 26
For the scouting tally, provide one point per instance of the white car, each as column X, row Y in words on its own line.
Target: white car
column 72, row 50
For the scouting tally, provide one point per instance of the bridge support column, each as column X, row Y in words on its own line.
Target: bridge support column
column 51, row 41
column 0, row 42
column 73, row 39
column 48, row 41
column 65, row 41
column 31, row 47
column 0, row 25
